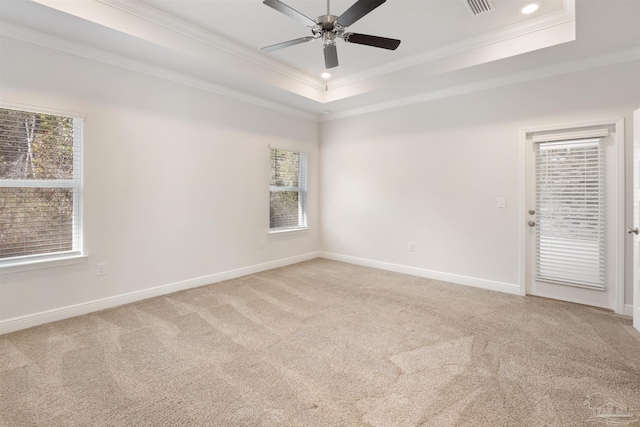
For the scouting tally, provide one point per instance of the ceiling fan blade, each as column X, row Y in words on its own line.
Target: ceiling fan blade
column 375, row 41
column 357, row 11
column 290, row 12
column 287, row 44
column 330, row 56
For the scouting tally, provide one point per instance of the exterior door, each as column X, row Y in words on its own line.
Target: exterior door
column 571, row 215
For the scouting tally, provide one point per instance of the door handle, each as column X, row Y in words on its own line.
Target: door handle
column 531, row 223
column 633, row 230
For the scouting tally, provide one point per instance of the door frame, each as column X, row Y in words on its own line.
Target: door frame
column 619, row 201
column 635, row 220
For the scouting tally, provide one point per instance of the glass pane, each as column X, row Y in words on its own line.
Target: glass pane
column 35, row 221
column 35, row 146
column 285, row 168
column 284, row 209
column 571, row 211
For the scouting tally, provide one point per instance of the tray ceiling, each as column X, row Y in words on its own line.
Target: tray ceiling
column 215, row 45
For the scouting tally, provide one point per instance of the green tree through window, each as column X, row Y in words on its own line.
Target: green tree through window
column 39, row 184
column 288, row 190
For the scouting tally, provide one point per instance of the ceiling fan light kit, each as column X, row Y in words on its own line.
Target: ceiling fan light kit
column 330, row 27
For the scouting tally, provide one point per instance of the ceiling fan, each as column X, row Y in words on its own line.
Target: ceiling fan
column 329, row 27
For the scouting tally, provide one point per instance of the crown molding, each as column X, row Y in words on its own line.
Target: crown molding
column 612, row 58
column 177, row 26
column 567, row 14
column 169, row 22
column 174, row 25
column 34, row 37
column 81, row 50
column 180, row 27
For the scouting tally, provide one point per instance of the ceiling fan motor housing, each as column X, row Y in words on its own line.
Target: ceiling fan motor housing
column 326, row 22
column 328, row 27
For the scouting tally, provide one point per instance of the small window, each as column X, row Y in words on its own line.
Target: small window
column 288, row 191
column 40, row 186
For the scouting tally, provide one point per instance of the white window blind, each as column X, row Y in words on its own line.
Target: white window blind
column 288, row 190
column 571, row 212
column 40, row 186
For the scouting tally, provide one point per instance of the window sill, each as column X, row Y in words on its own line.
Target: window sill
column 287, row 230
column 38, row 264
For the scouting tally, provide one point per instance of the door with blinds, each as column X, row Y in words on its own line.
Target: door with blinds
column 571, row 194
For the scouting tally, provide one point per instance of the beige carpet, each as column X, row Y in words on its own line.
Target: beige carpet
column 323, row 343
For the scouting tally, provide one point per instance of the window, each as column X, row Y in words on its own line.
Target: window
column 571, row 212
column 288, row 191
column 40, row 186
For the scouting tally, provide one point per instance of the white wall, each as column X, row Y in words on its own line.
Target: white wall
column 175, row 180
column 431, row 173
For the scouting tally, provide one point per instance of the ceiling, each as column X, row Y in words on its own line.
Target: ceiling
column 216, row 45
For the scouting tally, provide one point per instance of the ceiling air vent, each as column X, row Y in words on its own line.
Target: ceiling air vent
column 478, row 7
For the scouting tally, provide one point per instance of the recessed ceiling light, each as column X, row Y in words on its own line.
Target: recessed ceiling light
column 530, row 8
column 325, row 75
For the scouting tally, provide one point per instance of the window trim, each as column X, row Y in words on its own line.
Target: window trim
column 279, row 231
column 77, row 254
column 58, row 259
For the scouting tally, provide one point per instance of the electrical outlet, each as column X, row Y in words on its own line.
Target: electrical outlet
column 412, row 247
column 261, row 244
column 101, row 269
column 502, row 202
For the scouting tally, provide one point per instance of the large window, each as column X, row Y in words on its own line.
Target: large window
column 288, row 191
column 40, row 186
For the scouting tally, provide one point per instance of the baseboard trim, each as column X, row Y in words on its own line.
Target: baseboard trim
column 31, row 320
column 429, row 274
column 627, row 310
